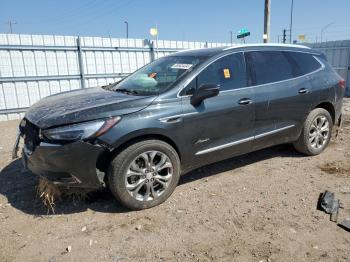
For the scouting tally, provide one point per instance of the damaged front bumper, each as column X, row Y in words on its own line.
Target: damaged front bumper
column 70, row 165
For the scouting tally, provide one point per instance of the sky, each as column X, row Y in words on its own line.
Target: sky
column 208, row 20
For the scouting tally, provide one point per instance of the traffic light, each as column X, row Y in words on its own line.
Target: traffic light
column 284, row 36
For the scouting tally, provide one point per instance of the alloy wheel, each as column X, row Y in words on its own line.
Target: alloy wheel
column 149, row 175
column 319, row 132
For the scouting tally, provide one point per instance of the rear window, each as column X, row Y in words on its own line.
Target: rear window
column 306, row 63
column 269, row 66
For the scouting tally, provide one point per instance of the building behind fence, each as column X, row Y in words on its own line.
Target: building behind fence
column 35, row 66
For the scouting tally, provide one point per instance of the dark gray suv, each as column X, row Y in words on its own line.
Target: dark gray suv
column 180, row 112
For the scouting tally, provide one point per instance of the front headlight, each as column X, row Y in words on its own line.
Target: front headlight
column 80, row 131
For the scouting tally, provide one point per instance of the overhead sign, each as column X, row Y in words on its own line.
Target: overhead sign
column 243, row 33
column 302, row 38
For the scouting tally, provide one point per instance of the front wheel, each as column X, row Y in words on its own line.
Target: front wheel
column 144, row 174
column 316, row 133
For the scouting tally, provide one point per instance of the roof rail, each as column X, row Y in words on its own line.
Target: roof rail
column 268, row 44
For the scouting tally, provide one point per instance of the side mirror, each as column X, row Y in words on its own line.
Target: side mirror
column 203, row 92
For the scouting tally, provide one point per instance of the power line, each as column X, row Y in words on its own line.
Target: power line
column 98, row 15
column 71, row 13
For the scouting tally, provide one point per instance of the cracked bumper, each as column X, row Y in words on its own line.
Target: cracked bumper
column 72, row 165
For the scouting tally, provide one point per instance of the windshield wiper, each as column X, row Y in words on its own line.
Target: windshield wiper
column 109, row 86
column 126, row 91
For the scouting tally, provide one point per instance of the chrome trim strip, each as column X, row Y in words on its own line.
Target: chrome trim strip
column 212, row 149
column 49, row 145
column 273, row 131
column 224, row 146
column 164, row 119
column 289, row 79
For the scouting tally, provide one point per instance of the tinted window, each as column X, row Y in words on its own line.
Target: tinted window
column 269, row 66
column 158, row 76
column 305, row 62
column 229, row 72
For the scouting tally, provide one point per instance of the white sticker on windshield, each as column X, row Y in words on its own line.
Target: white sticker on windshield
column 181, row 66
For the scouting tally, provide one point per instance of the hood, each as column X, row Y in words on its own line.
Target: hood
column 84, row 105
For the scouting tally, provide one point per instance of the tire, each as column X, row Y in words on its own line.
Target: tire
column 312, row 128
column 139, row 164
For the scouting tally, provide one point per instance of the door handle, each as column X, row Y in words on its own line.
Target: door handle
column 245, row 101
column 171, row 120
column 303, row 91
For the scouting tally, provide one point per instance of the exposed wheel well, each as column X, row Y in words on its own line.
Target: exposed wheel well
column 106, row 157
column 329, row 107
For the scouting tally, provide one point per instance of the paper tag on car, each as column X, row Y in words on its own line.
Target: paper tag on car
column 152, row 75
column 227, row 73
column 181, row 66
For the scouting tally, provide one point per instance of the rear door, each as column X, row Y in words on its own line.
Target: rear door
column 282, row 97
column 221, row 126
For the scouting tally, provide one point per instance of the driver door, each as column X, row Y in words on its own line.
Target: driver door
column 221, row 126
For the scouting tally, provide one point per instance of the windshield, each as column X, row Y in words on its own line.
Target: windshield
column 158, row 76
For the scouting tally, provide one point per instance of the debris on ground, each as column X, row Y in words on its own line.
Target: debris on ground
column 69, row 249
column 329, row 204
column 345, row 224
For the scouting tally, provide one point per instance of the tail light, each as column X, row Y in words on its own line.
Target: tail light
column 342, row 83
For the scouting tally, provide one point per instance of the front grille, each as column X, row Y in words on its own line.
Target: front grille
column 30, row 133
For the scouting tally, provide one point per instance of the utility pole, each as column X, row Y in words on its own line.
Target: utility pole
column 10, row 24
column 127, row 29
column 266, row 36
column 291, row 22
column 284, row 36
column 231, row 37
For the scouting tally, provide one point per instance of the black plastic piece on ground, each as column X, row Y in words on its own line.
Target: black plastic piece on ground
column 328, row 204
column 345, row 225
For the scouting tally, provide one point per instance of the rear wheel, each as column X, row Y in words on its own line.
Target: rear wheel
column 144, row 174
column 316, row 133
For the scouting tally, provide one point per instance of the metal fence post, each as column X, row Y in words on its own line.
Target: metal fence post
column 151, row 50
column 81, row 63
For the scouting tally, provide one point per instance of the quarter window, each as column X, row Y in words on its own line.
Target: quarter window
column 229, row 72
column 269, row 66
column 305, row 62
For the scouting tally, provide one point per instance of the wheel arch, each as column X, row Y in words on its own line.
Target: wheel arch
column 106, row 157
column 329, row 107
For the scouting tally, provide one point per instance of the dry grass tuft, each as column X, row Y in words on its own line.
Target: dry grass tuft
column 48, row 193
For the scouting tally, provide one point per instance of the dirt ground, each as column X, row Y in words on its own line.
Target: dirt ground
column 257, row 207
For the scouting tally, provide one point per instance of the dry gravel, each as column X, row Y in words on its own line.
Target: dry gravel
column 257, row 207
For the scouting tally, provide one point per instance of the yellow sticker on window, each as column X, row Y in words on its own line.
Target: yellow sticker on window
column 227, row 73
